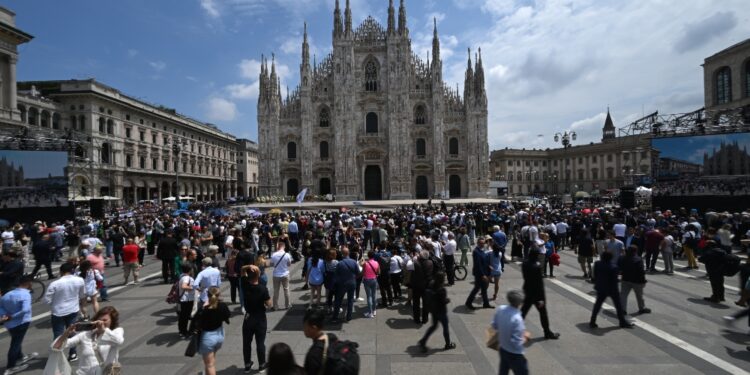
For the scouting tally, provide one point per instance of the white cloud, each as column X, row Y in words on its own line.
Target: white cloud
column 220, row 109
column 243, row 91
column 249, row 69
column 209, row 6
column 132, row 53
column 158, row 65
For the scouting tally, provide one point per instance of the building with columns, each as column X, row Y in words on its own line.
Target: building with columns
column 10, row 39
column 726, row 82
column 594, row 167
column 247, row 168
column 372, row 120
column 133, row 150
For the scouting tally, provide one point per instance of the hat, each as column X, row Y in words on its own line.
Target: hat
column 207, row 261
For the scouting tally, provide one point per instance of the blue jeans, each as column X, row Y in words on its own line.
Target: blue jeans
column 16, row 339
column 108, row 253
column 511, row 361
column 103, row 290
column 342, row 289
column 371, row 286
column 61, row 323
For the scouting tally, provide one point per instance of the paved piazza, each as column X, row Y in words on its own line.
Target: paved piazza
column 683, row 335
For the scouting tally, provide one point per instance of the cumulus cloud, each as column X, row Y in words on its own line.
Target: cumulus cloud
column 699, row 33
column 249, row 69
column 158, row 65
column 243, row 91
column 210, row 7
column 220, row 109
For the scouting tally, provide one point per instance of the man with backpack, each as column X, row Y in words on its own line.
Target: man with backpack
column 328, row 355
column 690, row 241
column 384, row 281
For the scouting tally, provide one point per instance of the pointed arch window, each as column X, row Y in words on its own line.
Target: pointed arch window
column 724, row 85
column 371, row 76
column 324, row 119
column 420, row 116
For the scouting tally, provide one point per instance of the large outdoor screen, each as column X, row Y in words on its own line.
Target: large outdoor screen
column 703, row 165
column 33, row 179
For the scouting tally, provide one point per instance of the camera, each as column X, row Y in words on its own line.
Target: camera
column 85, row 326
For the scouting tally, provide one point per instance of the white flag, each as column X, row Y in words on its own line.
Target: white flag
column 301, row 196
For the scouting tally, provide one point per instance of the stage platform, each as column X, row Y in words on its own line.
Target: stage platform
column 365, row 205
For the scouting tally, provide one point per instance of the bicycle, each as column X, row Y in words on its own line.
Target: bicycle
column 459, row 272
column 38, row 288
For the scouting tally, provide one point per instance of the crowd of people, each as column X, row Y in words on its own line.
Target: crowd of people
column 739, row 186
column 403, row 256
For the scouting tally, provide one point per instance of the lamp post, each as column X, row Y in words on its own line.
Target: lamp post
column 566, row 138
column 177, row 149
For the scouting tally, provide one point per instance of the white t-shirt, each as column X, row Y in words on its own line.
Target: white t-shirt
column 8, row 237
column 396, row 262
column 186, row 296
column 281, row 261
column 369, row 224
column 562, row 227
column 436, row 249
column 668, row 242
column 620, row 229
column 450, row 247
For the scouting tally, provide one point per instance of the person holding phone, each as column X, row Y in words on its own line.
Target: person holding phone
column 98, row 342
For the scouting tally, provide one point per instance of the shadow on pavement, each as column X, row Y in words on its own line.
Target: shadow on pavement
column 584, row 327
column 394, row 323
column 737, row 337
column 168, row 339
column 701, row 301
column 739, row 354
column 416, row 352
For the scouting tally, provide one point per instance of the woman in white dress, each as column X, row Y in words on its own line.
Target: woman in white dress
column 98, row 346
column 90, row 278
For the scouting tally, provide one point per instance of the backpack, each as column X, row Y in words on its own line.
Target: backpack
column 692, row 241
column 437, row 264
column 384, row 261
column 340, row 357
column 174, row 293
column 730, row 264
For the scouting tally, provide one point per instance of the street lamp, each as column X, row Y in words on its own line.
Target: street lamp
column 177, row 146
column 566, row 138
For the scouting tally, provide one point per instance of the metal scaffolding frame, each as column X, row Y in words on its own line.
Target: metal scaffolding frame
column 698, row 122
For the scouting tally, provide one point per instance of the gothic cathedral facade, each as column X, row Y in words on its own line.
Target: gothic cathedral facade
column 373, row 121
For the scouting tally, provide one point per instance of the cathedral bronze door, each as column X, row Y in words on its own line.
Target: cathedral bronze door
column 421, row 189
column 292, row 187
column 373, row 183
column 454, row 186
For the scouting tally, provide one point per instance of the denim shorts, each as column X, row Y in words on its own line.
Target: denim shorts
column 211, row 341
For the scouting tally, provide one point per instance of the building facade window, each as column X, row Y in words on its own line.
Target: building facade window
column 453, row 146
column 324, row 119
column 595, row 174
column 129, row 161
column 106, row 156
column 747, row 79
column 128, row 132
column 291, row 150
column 371, row 123
column 371, row 76
column 724, row 85
column 420, row 117
column 102, row 125
column 421, row 148
column 142, row 162
column 324, row 150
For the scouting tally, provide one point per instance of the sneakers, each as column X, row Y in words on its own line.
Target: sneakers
column 728, row 320
column 73, row 357
column 368, row 315
column 644, row 310
column 28, row 357
column 360, row 299
column 449, row 346
column 248, row 367
column 15, row 370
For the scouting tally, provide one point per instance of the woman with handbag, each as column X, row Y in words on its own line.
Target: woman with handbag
column 98, row 343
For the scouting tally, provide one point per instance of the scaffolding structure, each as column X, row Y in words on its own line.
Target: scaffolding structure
column 698, row 122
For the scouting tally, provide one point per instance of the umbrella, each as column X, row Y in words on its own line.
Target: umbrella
column 219, row 212
column 180, row 212
column 252, row 212
column 187, row 198
column 275, row 211
column 169, row 199
column 82, row 198
column 582, row 194
column 110, row 198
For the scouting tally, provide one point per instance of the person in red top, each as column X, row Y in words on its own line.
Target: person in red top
column 653, row 240
column 130, row 260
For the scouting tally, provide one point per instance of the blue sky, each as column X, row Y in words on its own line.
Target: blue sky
column 37, row 163
column 692, row 149
column 551, row 65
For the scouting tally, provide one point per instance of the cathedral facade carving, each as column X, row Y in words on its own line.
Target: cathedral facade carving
column 373, row 121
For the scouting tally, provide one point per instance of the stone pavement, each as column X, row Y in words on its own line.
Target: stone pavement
column 683, row 335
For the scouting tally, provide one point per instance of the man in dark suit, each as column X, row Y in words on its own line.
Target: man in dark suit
column 533, row 289
column 481, row 272
column 167, row 251
column 606, row 285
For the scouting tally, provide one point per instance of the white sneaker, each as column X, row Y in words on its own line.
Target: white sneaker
column 367, row 315
column 15, row 370
column 28, row 357
column 360, row 299
column 374, row 313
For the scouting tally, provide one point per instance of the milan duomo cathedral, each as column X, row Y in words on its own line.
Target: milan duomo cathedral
column 373, row 121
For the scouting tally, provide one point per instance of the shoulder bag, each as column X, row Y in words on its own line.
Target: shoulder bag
column 113, row 368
